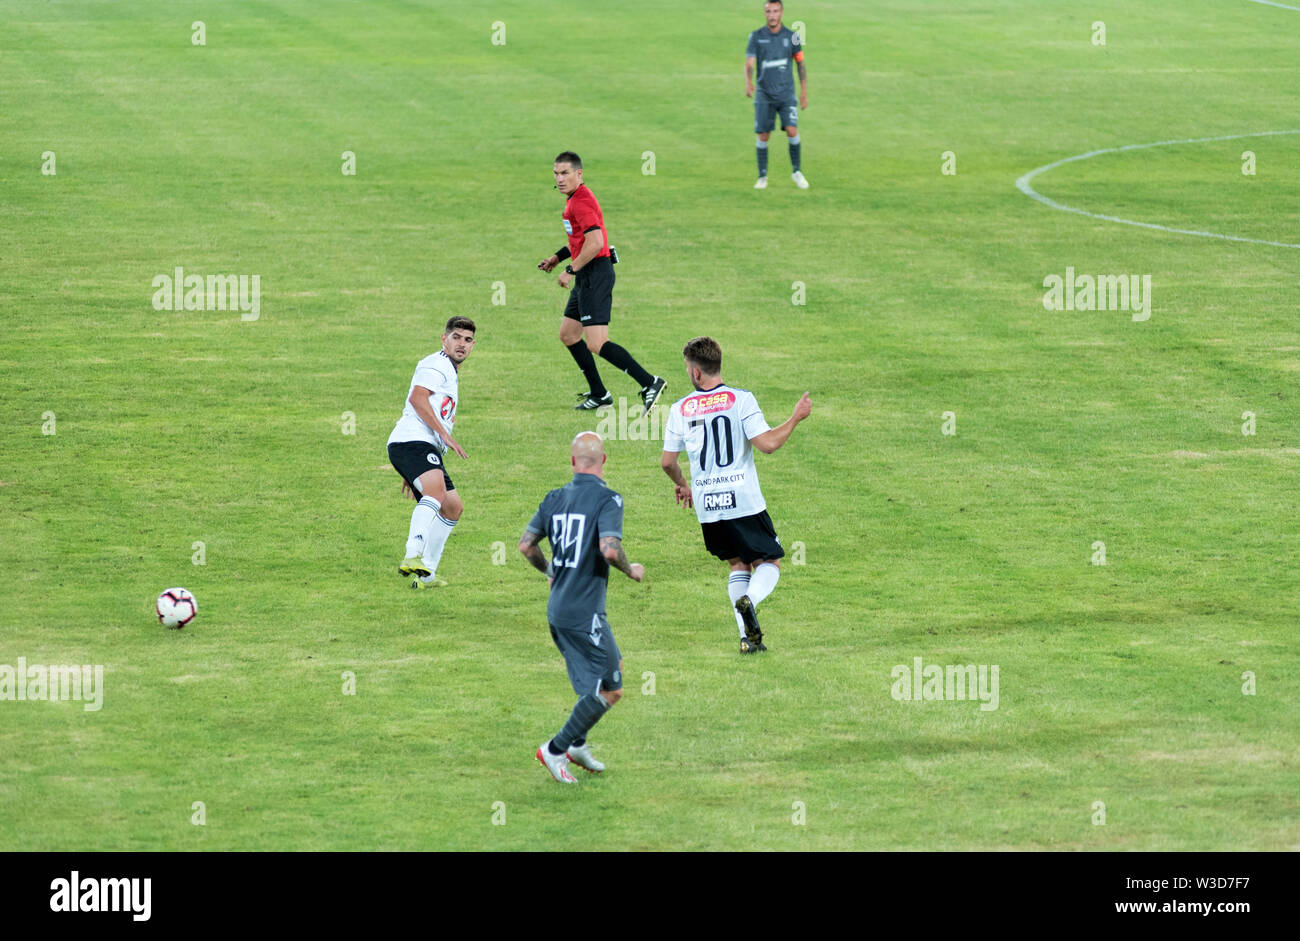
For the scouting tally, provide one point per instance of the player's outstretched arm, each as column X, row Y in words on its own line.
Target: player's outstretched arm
column 773, row 438
column 611, row 547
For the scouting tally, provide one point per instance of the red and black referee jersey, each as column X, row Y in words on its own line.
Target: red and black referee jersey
column 581, row 215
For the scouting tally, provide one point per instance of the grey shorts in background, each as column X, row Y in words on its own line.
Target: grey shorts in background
column 590, row 655
column 768, row 111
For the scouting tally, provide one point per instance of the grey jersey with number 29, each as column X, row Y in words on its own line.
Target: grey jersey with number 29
column 574, row 519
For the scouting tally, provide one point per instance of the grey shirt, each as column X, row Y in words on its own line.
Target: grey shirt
column 774, row 60
column 574, row 519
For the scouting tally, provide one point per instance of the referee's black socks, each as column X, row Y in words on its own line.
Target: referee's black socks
column 615, row 354
column 587, row 363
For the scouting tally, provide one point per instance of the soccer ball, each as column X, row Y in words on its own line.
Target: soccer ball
column 176, row 607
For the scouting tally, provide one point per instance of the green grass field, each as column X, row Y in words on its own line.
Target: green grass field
column 1120, row 684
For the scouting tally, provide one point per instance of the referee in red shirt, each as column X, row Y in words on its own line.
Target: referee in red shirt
column 592, row 272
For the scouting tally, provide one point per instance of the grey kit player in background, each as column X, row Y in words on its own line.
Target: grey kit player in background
column 417, row 446
column 775, row 50
column 584, row 522
column 719, row 426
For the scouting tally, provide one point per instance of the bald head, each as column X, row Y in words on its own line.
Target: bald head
column 587, row 453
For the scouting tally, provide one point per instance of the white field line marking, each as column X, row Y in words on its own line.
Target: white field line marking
column 1022, row 184
column 1270, row 3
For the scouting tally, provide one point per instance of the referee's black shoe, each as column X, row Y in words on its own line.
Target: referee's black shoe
column 753, row 633
column 747, row 646
column 591, row 403
column 650, row 394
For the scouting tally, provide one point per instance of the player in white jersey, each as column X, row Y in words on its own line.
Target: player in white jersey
column 416, row 448
column 719, row 427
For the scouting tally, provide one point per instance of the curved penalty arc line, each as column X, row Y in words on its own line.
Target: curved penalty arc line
column 1023, row 184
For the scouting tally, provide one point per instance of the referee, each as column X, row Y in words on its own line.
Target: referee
column 592, row 271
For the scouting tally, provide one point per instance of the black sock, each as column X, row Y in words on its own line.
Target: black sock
column 578, row 742
column 615, row 354
column 550, row 747
column 587, row 363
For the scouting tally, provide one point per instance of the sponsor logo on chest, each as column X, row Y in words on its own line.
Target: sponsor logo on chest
column 711, row 402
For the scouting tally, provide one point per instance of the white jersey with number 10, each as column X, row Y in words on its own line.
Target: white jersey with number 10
column 714, row 429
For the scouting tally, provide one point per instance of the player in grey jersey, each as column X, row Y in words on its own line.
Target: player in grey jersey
column 775, row 50
column 583, row 521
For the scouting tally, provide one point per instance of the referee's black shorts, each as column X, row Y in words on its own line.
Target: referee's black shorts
column 748, row 538
column 592, row 295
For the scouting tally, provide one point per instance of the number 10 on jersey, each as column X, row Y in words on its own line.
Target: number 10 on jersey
column 721, row 432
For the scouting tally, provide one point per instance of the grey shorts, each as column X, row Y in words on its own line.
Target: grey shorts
column 768, row 110
column 590, row 655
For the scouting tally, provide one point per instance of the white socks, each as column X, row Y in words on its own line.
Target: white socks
column 737, row 586
column 763, row 581
column 422, row 518
column 439, row 530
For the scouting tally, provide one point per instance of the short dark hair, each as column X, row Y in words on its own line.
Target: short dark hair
column 570, row 158
column 460, row 323
column 705, row 353
column 777, row 2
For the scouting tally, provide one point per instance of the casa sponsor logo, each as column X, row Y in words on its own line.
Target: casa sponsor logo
column 710, row 402
column 76, row 894
column 720, row 500
column 946, row 683
column 35, row 682
column 181, row 291
column 1128, row 292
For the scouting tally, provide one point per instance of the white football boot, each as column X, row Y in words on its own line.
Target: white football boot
column 583, row 756
column 558, row 765
column 761, row 184
column 799, row 181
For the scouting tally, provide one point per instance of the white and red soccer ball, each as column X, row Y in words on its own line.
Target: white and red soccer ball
column 176, row 607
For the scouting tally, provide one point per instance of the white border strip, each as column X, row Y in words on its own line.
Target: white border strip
column 1022, row 184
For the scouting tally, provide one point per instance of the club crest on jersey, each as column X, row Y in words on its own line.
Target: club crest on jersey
column 447, row 409
column 711, row 402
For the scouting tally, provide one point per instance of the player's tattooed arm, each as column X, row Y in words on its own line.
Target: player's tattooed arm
column 528, row 545
column 611, row 547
